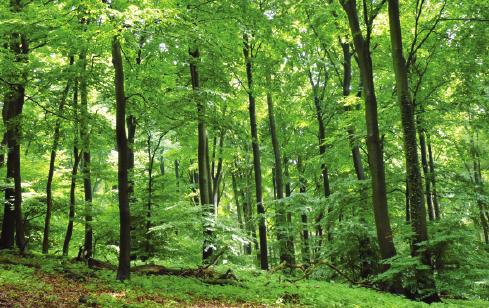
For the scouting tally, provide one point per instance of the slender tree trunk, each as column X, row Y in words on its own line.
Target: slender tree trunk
column 434, row 194
column 288, row 193
column 150, row 195
column 306, row 250
column 85, row 152
column 177, row 176
column 217, row 175
column 424, row 162
column 324, row 167
column 54, row 148
column 123, row 270
column 203, row 159
column 284, row 252
column 374, row 148
column 426, row 282
column 74, row 172
column 262, row 229
column 131, row 123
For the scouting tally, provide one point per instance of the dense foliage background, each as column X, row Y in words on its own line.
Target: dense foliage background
column 298, row 62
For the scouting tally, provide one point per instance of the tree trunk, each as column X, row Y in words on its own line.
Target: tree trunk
column 123, row 270
column 149, row 203
column 322, row 153
column 425, row 279
column 374, row 148
column 54, row 148
column 424, row 162
column 85, row 152
column 284, row 252
column 434, row 193
column 217, row 173
column 74, row 172
column 13, row 222
column 306, row 250
column 262, row 229
column 203, row 159
column 288, row 193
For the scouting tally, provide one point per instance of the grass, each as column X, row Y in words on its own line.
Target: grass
column 48, row 281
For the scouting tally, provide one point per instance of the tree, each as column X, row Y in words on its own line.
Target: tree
column 374, row 147
column 424, row 277
column 262, row 229
column 123, row 270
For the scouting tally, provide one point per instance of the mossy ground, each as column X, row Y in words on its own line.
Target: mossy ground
column 46, row 281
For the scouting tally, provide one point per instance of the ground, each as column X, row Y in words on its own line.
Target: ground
column 46, row 281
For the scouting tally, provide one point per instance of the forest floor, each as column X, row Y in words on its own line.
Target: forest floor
column 48, row 281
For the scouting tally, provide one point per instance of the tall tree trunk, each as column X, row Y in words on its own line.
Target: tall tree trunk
column 217, row 173
column 425, row 279
column 123, row 270
column 54, row 149
column 131, row 124
column 150, row 196
column 431, row 164
column 85, row 153
column 288, row 193
column 374, row 148
column 262, row 229
column 203, row 159
column 424, row 161
column 74, row 171
column 322, row 153
column 13, row 222
column 284, row 252
column 239, row 208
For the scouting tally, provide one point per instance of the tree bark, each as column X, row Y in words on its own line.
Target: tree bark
column 425, row 279
column 262, row 229
column 123, row 270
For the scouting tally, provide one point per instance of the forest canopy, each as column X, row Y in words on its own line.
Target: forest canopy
column 332, row 140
